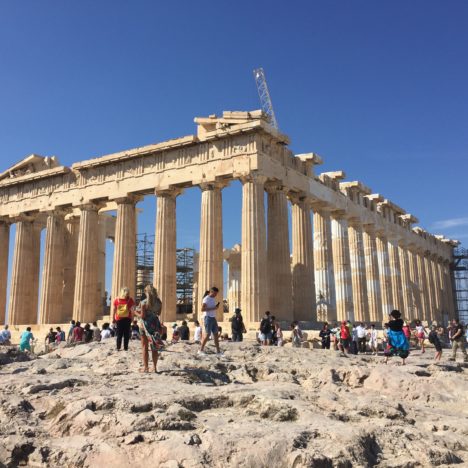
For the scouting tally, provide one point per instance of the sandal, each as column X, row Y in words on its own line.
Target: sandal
column 144, row 370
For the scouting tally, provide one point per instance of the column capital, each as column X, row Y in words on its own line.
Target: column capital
column 355, row 222
column 91, row 206
column 253, row 177
column 213, row 185
column 297, row 198
column 172, row 192
column 24, row 217
column 274, row 186
column 339, row 214
column 128, row 200
column 370, row 228
column 59, row 211
column 320, row 207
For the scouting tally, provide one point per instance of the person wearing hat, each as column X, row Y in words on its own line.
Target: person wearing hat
column 237, row 326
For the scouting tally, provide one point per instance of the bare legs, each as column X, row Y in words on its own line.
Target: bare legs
column 144, row 347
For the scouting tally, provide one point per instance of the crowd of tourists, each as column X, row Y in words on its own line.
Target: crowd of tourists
column 143, row 322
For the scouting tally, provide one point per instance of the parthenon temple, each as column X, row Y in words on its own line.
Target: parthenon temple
column 353, row 254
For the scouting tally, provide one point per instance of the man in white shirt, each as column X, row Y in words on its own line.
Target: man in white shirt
column 5, row 336
column 209, row 307
column 361, row 337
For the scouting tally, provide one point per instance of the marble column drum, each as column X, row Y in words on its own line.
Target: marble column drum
column 279, row 259
column 384, row 275
column 395, row 274
column 323, row 264
column 254, row 293
column 124, row 271
column 72, row 230
column 303, row 287
column 165, row 253
column 210, row 263
column 85, row 302
column 432, row 304
column 414, row 284
column 358, row 272
column 51, row 303
column 372, row 274
column 233, row 258
column 4, row 254
column 423, row 287
column 342, row 268
column 408, row 304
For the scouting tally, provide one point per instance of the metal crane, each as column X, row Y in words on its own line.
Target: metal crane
column 264, row 94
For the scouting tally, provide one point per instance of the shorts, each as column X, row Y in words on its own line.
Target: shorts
column 25, row 346
column 345, row 342
column 211, row 325
column 421, row 336
column 266, row 336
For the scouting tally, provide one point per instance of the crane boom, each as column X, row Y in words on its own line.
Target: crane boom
column 264, row 94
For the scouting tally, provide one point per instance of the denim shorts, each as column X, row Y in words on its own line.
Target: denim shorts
column 211, row 325
column 266, row 336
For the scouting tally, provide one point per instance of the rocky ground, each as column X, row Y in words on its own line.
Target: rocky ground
column 88, row 406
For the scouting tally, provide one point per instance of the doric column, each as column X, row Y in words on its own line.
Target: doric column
column 279, row 259
column 323, row 263
column 414, row 284
column 4, row 254
column 358, row 271
column 254, row 293
column 303, row 288
column 124, row 272
column 407, row 296
column 342, row 267
column 395, row 275
column 25, row 273
column 86, row 279
column 372, row 274
column 385, row 276
column 430, row 312
column 449, row 289
column 437, row 288
column 72, row 229
column 51, row 304
column 423, row 287
column 210, row 263
column 233, row 258
column 443, row 291
column 165, row 252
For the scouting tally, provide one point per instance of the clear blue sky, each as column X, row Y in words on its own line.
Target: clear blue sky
column 378, row 88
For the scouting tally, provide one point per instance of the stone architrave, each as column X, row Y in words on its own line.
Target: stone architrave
column 384, row 275
column 358, row 271
column 72, row 230
column 342, row 267
column 51, row 304
column 124, row 271
column 86, row 279
column 372, row 274
column 4, row 254
column 279, row 258
column 254, row 291
column 395, row 273
column 210, row 262
column 323, row 263
column 408, row 305
column 233, row 258
column 165, row 252
column 303, row 287
column 25, row 273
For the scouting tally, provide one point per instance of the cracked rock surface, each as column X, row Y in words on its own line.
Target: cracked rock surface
column 88, row 406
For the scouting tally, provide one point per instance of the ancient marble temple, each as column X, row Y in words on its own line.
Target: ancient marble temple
column 354, row 254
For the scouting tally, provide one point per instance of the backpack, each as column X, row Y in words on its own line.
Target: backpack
column 265, row 326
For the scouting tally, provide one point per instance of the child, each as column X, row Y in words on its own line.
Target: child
column 135, row 331
column 278, row 334
column 397, row 343
column 434, row 339
column 198, row 332
column 296, row 335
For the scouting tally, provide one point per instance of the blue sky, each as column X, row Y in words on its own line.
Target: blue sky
column 378, row 88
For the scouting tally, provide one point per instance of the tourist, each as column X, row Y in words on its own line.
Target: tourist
column 458, row 340
column 78, row 333
column 372, row 334
column 237, row 326
column 184, row 331
column 407, row 331
column 70, row 331
column 5, row 336
column 135, row 330
column 105, row 333
column 265, row 329
column 297, row 335
column 26, row 340
column 60, row 336
column 123, row 309
column 397, row 343
column 50, row 340
column 361, row 333
column 354, row 340
column 421, row 335
column 325, row 334
column 345, row 338
column 273, row 335
column 175, row 334
column 209, row 308
column 197, row 335
column 96, row 332
column 434, row 340
column 335, row 336
column 148, row 313
column 113, row 328
column 88, row 333
column 279, row 335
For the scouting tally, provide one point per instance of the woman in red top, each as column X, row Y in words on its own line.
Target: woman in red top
column 123, row 309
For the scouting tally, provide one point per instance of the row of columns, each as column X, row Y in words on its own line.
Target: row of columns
column 345, row 271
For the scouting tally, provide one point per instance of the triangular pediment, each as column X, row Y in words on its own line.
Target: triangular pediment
column 30, row 165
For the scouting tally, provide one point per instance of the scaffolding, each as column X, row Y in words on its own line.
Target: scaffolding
column 184, row 271
column 459, row 269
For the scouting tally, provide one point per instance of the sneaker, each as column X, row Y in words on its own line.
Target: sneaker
column 220, row 354
column 201, row 353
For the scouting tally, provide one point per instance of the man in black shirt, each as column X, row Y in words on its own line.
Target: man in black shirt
column 266, row 329
column 237, row 326
column 458, row 339
column 184, row 331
